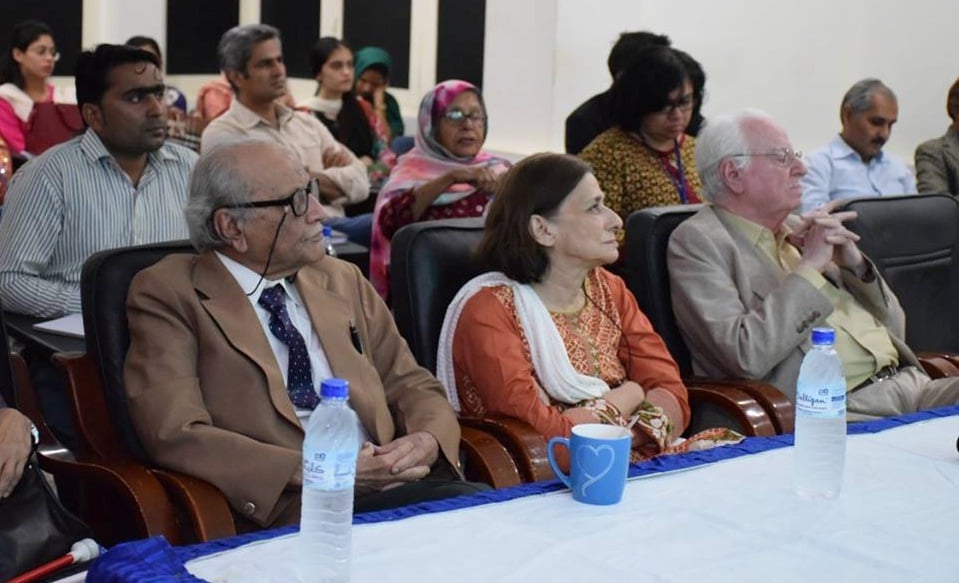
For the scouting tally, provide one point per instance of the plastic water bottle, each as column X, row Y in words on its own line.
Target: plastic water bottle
column 820, row 419
column 330, row 449
column 328, row 240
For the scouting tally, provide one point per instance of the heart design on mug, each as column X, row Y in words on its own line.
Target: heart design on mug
column 583, row 458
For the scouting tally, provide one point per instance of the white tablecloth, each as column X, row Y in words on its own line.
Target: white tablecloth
column 897, row 519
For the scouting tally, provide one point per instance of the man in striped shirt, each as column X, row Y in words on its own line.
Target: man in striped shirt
column 117, row 184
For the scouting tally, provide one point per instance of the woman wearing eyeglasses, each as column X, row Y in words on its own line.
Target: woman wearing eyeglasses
column 646, row 159
column 27, row 65
column 446, row 175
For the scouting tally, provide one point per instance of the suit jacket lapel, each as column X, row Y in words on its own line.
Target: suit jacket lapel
column 332, row 316
column 231, row 310
column 763, row 276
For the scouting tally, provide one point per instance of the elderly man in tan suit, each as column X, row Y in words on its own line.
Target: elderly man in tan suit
column 750, row 280
column 207, row 380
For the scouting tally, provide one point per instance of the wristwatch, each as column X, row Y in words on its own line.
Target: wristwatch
column 35, row 434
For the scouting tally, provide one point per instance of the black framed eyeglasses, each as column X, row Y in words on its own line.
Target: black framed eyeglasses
column 683, row 104
column 298, row 201
column 458, row 117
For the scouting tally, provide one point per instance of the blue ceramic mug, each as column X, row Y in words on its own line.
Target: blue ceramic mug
column 598, row 462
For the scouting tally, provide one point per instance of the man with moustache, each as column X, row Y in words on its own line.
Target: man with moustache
column 853, row 164
column 251, row 57
column 215, row 385
column 750, row 280
column 117, row 184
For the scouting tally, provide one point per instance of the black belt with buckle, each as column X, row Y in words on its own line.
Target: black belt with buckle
column 886, row 372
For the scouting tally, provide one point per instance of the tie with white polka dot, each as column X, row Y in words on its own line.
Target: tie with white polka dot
column 299, row 378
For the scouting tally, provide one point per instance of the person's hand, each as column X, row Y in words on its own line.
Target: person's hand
column 482, row 177
column 15, row 441
column 405, row 459
column 379, row 98
column 626, row 397
column 337, row 158
column 821, row 237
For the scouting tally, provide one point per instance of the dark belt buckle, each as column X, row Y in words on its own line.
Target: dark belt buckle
column 886, row 372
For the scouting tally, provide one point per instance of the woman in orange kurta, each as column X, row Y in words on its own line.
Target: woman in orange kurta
column 550, row 337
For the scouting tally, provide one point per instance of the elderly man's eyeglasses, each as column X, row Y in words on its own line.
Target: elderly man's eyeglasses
column 784, row 156
column 298, row 201
column 458, row 117
column 683, row 104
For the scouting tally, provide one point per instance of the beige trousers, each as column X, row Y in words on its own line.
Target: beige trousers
column 909, row 391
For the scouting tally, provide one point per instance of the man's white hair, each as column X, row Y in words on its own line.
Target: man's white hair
column 723, row 138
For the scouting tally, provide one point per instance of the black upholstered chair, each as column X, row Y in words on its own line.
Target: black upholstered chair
column 647, row 276
column 190, row 509
column 914, row 242
column 431, row 261
column 106, row 433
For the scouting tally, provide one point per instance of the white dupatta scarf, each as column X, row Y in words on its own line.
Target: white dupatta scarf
column 550, row 360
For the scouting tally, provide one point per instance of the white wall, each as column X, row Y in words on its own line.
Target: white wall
column 544, row 57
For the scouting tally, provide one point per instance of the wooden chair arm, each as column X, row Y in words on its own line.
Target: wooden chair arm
column 723, row 405
column 487, row 460
column 939, row 365
column 780, row 409
column 143, row 510
column 96, row 436
column 526, row 445
column 204, row 504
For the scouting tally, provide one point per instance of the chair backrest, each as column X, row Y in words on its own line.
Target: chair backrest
column 104, row 284
column 647, row 276
column 914, row 241
column 429, row 262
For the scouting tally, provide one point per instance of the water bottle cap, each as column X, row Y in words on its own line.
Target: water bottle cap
column 327, row 231
column 335, row 389
column 823, row 336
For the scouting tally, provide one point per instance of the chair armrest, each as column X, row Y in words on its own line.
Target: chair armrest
column 27, row 401
column 96, row 436
column 526, row 445
column 780, row 409
column 119, row 500
column 487, row 460
column 206, row 507
column 939, row 365
column 724, row 405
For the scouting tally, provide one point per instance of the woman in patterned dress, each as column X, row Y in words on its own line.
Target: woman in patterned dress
column 646, row 160
column 446, row 174
column 549, row 336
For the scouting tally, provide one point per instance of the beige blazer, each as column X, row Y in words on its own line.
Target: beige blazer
column 208, row 399
column 741, row 317
column 937, row 165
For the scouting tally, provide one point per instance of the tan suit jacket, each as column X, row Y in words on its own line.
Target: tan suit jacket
column 937, row 165
column 208, row 399
column 742, row 317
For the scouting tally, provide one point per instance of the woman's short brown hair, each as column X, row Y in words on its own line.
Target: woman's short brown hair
column 537, row 185
column 952, row 102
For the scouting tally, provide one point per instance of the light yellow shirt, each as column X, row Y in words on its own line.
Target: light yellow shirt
column 862, row 342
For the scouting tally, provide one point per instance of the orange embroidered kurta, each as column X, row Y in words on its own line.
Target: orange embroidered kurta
column 610, row 338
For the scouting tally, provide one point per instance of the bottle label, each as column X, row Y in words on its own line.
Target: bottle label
column 329, row 471
column 822, row 402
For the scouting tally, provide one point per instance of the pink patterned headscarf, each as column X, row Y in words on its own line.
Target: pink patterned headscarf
column 427, row 160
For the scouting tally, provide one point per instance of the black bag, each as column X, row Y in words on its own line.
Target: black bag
column 34, row 527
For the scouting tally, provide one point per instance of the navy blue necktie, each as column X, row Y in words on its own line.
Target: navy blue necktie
column 299, row 378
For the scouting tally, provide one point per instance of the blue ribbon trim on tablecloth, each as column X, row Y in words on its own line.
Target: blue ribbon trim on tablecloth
column 154, row 560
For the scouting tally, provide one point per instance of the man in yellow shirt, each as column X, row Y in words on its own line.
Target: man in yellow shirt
column 750, row 279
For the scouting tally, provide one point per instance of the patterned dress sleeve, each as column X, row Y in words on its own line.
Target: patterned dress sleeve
column 647, row 359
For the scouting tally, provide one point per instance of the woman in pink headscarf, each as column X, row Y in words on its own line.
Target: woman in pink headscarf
column 446, row 175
